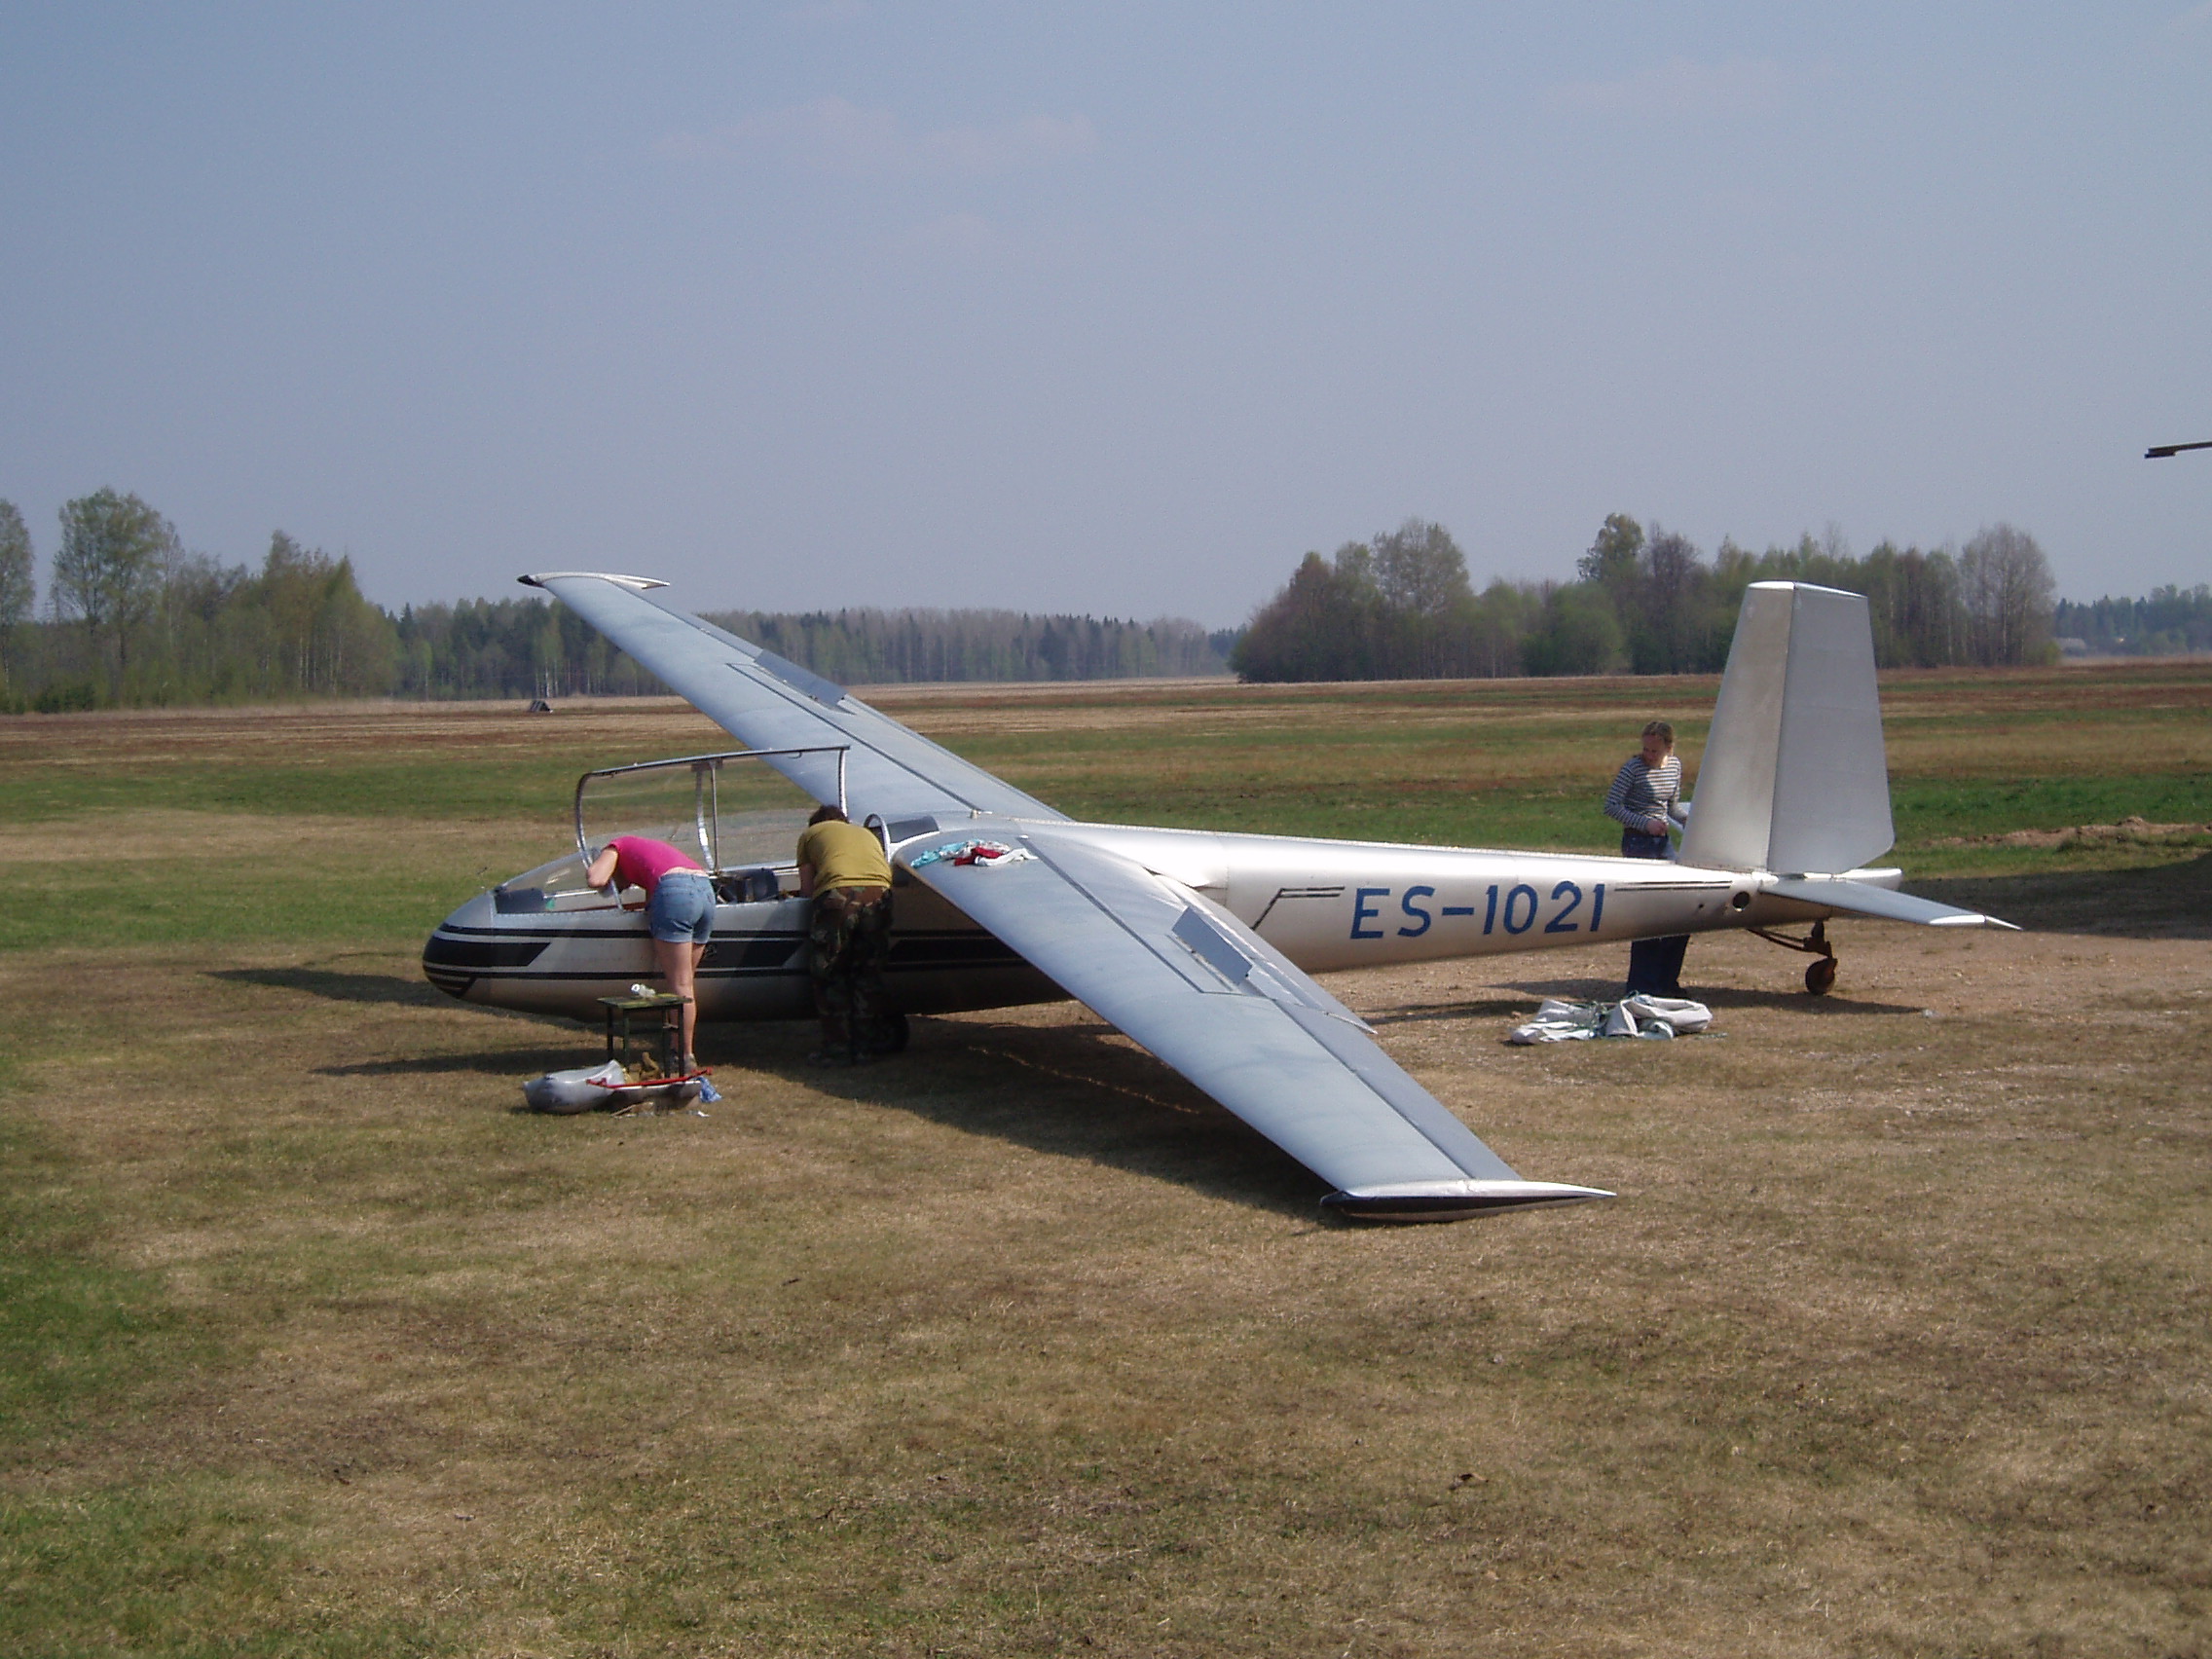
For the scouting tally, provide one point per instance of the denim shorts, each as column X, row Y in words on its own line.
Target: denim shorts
column 682, row 907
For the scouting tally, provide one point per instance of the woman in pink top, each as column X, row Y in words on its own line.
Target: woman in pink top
column 679, row 912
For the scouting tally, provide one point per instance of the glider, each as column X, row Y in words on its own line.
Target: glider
column 1199, row 945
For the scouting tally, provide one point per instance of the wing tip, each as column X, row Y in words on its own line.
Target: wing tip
column 1453, row 1200
column 636, row 584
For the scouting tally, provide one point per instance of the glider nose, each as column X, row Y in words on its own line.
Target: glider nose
column 448, row 954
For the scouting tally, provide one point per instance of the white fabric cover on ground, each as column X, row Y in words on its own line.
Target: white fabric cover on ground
column 1559, row 1021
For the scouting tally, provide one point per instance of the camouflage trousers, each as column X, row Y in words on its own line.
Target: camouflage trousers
column 847, row 940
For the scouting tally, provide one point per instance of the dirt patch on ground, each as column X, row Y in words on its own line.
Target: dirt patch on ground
column 2129, row 832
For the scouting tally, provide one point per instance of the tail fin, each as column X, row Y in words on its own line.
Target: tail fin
column 1795, row 779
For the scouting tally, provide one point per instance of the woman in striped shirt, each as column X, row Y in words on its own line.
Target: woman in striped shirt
column 1645, row 797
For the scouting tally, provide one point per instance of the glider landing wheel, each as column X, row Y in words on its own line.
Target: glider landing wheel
column 1822, row 974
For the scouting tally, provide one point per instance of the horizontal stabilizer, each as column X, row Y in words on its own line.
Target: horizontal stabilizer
column 1453, row 1200
column 1861, row 900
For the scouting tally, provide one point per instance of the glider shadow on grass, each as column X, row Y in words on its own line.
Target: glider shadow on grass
column 388, row 989
column 2171, row 900
column 1067, row 1091
column 337, row 986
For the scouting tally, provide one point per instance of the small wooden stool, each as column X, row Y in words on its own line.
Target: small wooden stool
column 621, row 1010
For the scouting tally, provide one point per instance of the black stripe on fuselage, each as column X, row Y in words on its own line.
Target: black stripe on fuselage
column 765, row 955
column 443, row 953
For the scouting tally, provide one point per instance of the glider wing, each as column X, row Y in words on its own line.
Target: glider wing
column 1208, row 996
column 766, row 702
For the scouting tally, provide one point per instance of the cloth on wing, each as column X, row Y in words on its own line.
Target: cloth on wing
column 989, row 855
column 1559, row 1021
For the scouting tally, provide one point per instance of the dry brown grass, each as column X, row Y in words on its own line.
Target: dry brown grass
column 1892, row 1342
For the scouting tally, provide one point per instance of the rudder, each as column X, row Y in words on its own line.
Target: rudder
column 1795, row 779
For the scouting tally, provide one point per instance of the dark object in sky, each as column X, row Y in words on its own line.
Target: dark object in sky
column 2162, row 451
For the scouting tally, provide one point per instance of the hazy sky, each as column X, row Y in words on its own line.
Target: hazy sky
column 1115, row 308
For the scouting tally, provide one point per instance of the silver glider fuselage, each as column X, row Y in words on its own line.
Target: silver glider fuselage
column 1324, row 904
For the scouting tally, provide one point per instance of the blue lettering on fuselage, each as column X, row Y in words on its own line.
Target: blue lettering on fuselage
column 1414, row 911
column 1361, row 912
column 1518, row 913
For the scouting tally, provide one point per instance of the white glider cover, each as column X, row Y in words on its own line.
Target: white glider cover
column 1795, row 779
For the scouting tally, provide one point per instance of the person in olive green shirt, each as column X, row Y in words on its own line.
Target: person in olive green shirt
column 841, row 866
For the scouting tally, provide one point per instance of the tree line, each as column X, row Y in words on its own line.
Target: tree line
column 2172, row 620
column 1400, row 606
column 884, row 647
column 132, row 619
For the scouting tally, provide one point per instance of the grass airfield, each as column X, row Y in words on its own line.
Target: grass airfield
column 310, row 1342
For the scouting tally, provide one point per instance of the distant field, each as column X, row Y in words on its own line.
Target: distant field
column 322, row 823
column 311, row 1344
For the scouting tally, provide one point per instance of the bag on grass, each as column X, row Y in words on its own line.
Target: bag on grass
column 578, row 1090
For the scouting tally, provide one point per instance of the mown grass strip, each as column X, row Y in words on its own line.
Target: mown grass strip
column 77, row 1330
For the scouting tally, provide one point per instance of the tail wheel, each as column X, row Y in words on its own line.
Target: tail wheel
column 1820, row 976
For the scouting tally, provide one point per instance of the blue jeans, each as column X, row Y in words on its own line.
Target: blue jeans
column 1654, row 965
column 682, row 907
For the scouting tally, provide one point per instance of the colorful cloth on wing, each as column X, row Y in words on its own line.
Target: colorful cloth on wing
column 989, row 855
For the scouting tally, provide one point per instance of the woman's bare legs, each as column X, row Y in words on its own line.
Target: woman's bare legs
column 678, row 963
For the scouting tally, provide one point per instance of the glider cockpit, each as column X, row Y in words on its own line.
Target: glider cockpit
column 736, row 813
